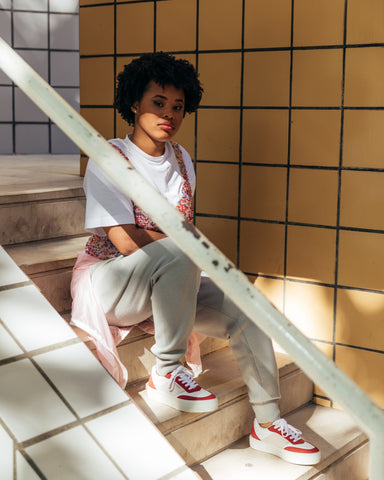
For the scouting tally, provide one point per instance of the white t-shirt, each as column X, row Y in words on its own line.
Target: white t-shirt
column 107, row 206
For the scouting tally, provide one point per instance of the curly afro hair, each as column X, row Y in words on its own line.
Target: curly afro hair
column 163, row 69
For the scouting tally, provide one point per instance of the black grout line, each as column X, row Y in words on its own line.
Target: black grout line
column 337, row 250
column 288, row 158
column 240, row 159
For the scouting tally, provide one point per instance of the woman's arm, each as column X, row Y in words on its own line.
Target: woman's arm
column 128, row 238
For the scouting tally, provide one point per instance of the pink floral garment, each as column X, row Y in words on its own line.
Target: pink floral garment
column 87, row 313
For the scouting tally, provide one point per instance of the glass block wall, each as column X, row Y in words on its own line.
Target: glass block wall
column 288, row 147
column 45, row 34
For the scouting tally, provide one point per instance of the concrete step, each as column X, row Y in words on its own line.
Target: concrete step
column 344, row 452
column 49, row 264
column 41, row 198
column 199, row 436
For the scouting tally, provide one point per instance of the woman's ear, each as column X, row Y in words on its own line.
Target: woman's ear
column 134, row 107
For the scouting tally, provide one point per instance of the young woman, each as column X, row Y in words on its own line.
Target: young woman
column 133, row 274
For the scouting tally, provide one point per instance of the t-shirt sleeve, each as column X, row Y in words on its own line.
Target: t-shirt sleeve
column 106, row 204
column 189, row 167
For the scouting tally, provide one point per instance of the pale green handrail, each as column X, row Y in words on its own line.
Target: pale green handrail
column 233, row 282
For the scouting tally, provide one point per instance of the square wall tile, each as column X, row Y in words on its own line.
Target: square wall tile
column 61, row 143
column 65, row 69
column 262, row 248
column 362, row 200
column 365, row 368
column 32, row 139
column 5, row 26
column 263, row 192
column 30, row 30
column 101, row 119
column 186, row 135
column 9, row 272
column 64, row 31
column 28, row 5
column 6, row 3
column 313, row 196
column 310, row 308
column 222, row 232
column 317, row 77
column 102, row 91
column 218, row 133
column 363, row 139
column 81, row 379
column 365, row 21
column 69, row 6
column 361, row 260
column 6, row 445
column 78, row 452
column 28, row 404
column 311, row 253
column 97, row 30
column 364, row 70
column 176, row 25
column 31, row 319
column 6, row 139
column 226, row 33
column 273, row 289
column 212, row 181
column 360, row 318
column 38, row 60
column 267, row 24
column 220, row 76
column 318, row 23
column 266, row 79
column 135, row 27
column 315, row 137
column 122, row 127
column 8, row 346
column 265, row 136
column 71, row 95
column 26, row 110
column 127, row 450
column 6, row 114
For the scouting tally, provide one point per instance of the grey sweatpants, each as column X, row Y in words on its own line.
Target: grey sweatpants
column 161, row 282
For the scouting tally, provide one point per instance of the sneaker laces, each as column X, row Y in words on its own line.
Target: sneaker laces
column 185, row 376
column 287, row 430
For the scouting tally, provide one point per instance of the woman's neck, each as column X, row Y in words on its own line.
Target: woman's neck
column 148, row 146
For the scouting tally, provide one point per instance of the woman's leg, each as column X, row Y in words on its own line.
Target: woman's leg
column 217, row 316
column 158, row 280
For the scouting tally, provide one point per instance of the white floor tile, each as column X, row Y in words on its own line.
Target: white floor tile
column 24, row 470
column 8, row 347
column 73, row 455
column 28, row 405
column 81, row 379
column 6, row 456
column 32, row 320
column 9, row 272
column 136, row 445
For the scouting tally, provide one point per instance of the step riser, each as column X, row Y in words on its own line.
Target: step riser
column 353, row 466
column 41, row 220
column 55, row 286
column 139, row 360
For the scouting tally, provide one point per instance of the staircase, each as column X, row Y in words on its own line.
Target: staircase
column 42, row 206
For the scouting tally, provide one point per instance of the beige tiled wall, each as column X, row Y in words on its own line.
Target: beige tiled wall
column 288, row 146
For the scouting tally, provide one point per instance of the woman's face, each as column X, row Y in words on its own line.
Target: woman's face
column 158, row 116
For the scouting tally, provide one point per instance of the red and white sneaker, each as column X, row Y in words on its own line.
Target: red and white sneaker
column 285, row 441
column 179, row 390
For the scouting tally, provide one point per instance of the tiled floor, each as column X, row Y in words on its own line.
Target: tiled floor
column 61, row 415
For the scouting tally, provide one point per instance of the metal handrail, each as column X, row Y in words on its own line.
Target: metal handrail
column 222, row 271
